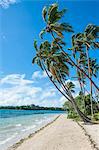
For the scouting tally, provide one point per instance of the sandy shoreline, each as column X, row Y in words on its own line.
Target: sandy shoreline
column 17, row 144
column 60, row 134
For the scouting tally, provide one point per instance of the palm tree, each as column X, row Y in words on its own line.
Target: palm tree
column 52, row 17
column 80, row 59
column 82, row 42
column 50, row 55
column 81, row 79
column 70, row 86
column 94, row 68
column 51, row 59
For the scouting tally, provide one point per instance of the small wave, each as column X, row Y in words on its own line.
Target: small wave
column 45, row 117
column 37, row 120
column 10, row 127
column 40, row 122
column 28, row 128
column 18, row 125
column 8, row 139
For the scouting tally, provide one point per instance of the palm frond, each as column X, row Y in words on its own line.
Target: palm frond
column 92, row 31
column 62, row 12
column 42, row 33
column 51, row 12
column 59, row 34
column 58, row 16
column 44, row 14
column 62, row 27
column 34, row 60
column 58, row 40
column 66, row 27
column 70, row 85
column 35, row 45
column 96, row 44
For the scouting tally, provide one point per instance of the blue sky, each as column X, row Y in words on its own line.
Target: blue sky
column 20, row 23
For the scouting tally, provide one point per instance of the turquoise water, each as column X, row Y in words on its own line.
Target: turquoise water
column 17, row 124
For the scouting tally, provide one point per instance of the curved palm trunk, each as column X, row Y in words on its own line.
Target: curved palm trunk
column 84, row 98
column 92, row 112
column 81, row 114
column 76, row 64
column 82, row 88
column 97, row 99
column 90, row 82
column 85, row 74
column 71, row 99
column 83, row 93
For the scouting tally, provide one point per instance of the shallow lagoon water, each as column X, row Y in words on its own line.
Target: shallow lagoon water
column 17, row 124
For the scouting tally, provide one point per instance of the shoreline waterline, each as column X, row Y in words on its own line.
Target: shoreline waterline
column 60, row 134
column 18, row 126
column 16, row 145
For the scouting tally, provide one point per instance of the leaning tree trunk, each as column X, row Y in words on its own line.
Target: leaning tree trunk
column 81, row 86
column 82, row 96
column 91, row 100
column 89, row 71
column 75, row 64
column 71, row 99
column 80, row 113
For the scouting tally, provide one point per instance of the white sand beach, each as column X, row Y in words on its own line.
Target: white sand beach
column 62, row 134
column 93, row 132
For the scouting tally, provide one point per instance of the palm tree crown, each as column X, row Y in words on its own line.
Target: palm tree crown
column 70, row 85
column 53, row 59
column 52, row 16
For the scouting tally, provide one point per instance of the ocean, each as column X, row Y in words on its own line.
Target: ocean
column 18, row 124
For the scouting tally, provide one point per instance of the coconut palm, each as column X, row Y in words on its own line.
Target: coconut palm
column 80, row 76
column 82, row 42
column 51, row 59
column 70, row 86
column 86, row 40
column 94, row 68
column 52, row 17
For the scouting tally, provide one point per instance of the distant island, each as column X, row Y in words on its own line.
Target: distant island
column 32, row 107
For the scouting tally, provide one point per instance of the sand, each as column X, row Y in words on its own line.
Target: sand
column 93, row 132
column 62, row 134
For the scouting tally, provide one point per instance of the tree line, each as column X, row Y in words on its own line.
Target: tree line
column 31, row 107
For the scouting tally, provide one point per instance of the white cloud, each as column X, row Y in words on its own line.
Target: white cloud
column 15, row 79
column 39, row 75
column 5, row 3
column 15, row 89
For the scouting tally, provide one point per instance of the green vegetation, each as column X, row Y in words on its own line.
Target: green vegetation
column 57, row 61
column 31, row 107
column 84, row 107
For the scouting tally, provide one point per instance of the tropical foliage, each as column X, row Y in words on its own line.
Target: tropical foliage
column 71, row 112
column 57, row 61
